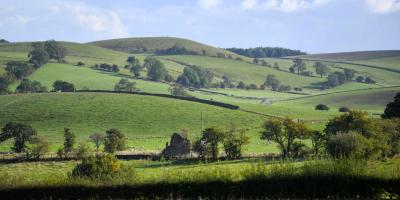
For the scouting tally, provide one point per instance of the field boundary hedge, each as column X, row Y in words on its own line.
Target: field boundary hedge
column 193, row 99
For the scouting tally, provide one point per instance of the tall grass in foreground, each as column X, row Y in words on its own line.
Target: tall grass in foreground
column 309, row 179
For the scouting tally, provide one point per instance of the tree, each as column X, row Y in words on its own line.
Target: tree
column 178, row 90
column 321, row 107
column 114, row 141
column 27, row 85
column 391, row 128
column 135, row 69
column 197, row 77
column 4, row 41
column 40, row 147
column 212, row 137
column 18, row 69
column 241, row 85
column 155, row 69
column 349, row 145
column 349, row 73
column 369, row 80
column 355, row 121
column 55, row 50
column 125, row 85
column 256, row 61
column 286, row 133
column 114, row 68
column 20, row 132
column 63, row 86
column 69, row 141
column 233, row 143
column 38, row 56
column 318, row 141
column 273, row 82
column 321, row 69
column 82, row 151
column 97, row 139
column 392, row 109
column 299, row 65
column 360, row 79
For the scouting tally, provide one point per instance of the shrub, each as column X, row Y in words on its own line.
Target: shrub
column 349, row 145
column 344, row 109
column 114, row 140
column 82, row 151
column 104, row 167
column 80, row 63
column 321, row 107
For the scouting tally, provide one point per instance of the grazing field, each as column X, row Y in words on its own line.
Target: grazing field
column 353, row 56
column 83, row 77
column 152, row 44
column 147, row 121
column 243, row 71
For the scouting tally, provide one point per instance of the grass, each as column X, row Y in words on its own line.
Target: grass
column 147, row 121
column 242, row 71
column 85, row 77
column 152, row 44
column 334, row 178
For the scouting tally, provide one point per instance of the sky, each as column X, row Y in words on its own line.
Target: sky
column 314, row 26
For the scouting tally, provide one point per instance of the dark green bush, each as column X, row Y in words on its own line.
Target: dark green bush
column 321, row 107
column 349, row 145
column 102, row 167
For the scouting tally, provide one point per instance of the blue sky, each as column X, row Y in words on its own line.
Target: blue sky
column 314, row 26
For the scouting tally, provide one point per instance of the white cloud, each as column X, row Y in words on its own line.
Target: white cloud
column 383, row 6
column 209, row 4
column 282, row 5
column 98, row 20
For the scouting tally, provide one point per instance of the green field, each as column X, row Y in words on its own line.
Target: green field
column 147, row 121
column 152, row 44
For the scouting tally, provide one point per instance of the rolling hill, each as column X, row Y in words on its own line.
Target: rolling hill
column 353, row 56
column 146, row 120
column 152, row 44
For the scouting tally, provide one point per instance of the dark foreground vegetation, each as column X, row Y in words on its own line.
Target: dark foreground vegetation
column 343, row 179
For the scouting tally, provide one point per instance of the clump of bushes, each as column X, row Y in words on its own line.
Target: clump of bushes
column 349, row 145
column 104, row 167
column 321, row 107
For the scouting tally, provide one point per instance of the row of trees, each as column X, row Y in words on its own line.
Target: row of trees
column 232, row 140
column 106, row 67
column 262, row 52
column 27, row 140
column 194, row 76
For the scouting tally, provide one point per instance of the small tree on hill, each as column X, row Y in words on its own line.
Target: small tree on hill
column 211, row 138
column 321, row 69
column 178, row 90
column 233, row 143
column 38, row 56
column 97, row 139
column 299, row 65
column 393, row 108
column 20, row 132
column 155, row 69
column 69, row 141
column 125, row 85
column 114, row 141
column 286, row 134
column 55, row 50
column 63, row 86
column 18, row 69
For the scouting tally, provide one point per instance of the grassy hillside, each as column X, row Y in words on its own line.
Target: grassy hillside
column 85, row 77
column 152, row 44
column 147, row 121
column 353, row 56
column 243, row 71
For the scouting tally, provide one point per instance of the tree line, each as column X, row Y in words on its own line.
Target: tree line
column 263, row 52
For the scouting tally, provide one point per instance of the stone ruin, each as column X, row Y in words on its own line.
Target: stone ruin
column 178, row 147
